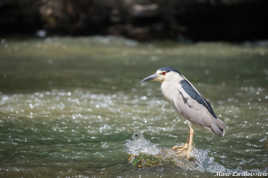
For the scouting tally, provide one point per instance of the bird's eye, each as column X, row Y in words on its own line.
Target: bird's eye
column 163, row 73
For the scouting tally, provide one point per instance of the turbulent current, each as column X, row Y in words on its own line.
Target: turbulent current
column 76, row 107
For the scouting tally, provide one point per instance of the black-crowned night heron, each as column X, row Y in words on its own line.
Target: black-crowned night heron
column 188, row 102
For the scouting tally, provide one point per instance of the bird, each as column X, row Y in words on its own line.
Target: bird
column 189, row 103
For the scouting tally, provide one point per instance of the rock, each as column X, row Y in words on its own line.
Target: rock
column 166, row 156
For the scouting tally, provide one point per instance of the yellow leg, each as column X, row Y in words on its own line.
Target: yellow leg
column 187, row 147
column 190, row 141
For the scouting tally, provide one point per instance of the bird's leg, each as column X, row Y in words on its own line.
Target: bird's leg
column 187, row 147
column 190, row 141
column 184, row 147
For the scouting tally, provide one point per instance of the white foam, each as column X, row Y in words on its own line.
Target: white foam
column 138, row 144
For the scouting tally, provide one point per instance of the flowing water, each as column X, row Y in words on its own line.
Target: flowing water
column 75, row 107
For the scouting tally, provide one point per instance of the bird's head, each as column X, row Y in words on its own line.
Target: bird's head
column 161, row 74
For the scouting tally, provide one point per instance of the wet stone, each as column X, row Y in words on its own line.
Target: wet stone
column 166, row 156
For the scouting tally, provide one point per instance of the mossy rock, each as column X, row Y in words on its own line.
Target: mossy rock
column 165, row 157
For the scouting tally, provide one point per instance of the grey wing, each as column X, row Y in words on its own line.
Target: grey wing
column 194, row 94
column 195, row 114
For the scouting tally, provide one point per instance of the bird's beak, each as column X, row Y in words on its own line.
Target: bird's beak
column 151, row 77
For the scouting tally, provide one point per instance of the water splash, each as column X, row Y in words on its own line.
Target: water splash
column 138, row 144
column 204, row 163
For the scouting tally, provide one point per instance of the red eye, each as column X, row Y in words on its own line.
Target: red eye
column 163, row 73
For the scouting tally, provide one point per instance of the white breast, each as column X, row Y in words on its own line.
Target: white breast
column 170, row 91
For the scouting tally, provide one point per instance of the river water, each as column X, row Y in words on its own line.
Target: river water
column 75, row 107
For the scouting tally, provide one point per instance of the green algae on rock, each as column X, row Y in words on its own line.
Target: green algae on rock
column 164, row 157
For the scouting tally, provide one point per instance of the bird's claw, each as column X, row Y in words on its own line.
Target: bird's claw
column 180, row 148
column 183, row 151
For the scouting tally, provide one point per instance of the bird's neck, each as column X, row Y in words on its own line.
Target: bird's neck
column 169, row 88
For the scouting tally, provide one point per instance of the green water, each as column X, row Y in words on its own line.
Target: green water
column 69, row 107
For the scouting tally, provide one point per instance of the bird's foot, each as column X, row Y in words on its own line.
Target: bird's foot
column 177, row 148
column 183, row 151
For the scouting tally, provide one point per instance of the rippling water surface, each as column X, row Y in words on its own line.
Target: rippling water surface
column 76, row 107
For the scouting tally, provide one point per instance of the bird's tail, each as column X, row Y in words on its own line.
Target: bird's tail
column 217, row 127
